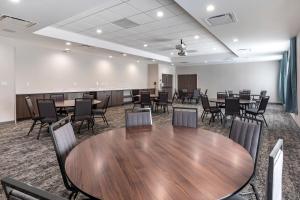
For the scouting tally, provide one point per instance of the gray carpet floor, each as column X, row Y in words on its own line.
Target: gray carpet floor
column 33, row 161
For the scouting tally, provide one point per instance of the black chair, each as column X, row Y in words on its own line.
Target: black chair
column 16, row 190
column 61, row 98
column 205, row 93
column 57, row 97
column 174, row 98
column 262, row 94
column 35, row 118
column 185, row 117
column 138, row 117
column 135, row 98
column 213, row 110
column 83, row 112
column 162, row 101
column 196, row 95
column 183, row 95
column 244, row 95
column 47, row 113
column 274, row 179
column 221, row 95
column 100, row 112
column 64, row 141
column 230, row 93
column 232, row 108
column 248, row 135
column 260, row 111
column 145, row 99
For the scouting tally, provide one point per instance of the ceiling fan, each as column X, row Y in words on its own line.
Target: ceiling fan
column 181, row 48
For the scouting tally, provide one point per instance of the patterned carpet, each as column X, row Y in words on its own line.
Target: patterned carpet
column 33, row 161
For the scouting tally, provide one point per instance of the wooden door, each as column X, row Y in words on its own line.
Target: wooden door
column 187, row 81
column 167, row 80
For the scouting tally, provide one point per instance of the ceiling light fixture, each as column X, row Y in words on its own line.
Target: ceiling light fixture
column 159, row 14
column 124, row 54
column 172, row 64
column 68, row 43
column 15, row 1
column 145, row 45
column 110, row 56
column 172, row 53
column 153, row 60
column 67, row 50
column 138, row 61
column 210, row 8
column 214, row 48
column 196, row 37
column 235, row 40
column 99, row 31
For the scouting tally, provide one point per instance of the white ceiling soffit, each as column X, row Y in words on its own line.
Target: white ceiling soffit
column 78, row 38
column 134, row 23
column 262, row 27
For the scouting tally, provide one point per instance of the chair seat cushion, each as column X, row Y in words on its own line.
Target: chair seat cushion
column 49, row 120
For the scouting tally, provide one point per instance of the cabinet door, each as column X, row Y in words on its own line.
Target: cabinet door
column 117, row 97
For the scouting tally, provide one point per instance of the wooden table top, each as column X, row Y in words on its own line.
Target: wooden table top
column 71, row 103
column 242, row 101
column 159, row 163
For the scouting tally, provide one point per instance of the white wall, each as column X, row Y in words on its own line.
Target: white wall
column 41, row 69
column 153, row 76
column 7, row 81
column 254, row 76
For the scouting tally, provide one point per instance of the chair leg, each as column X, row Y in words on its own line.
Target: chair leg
column 39, row 133
column 255, row 191
column 31, row 128
column 105, row 120
column 264, row 120
column 80, row 127
column 212, row 116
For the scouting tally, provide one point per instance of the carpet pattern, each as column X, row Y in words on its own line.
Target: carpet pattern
column 34, row 162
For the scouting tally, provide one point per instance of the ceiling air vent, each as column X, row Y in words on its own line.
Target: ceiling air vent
column 125, row 23
column 13, row 24
column 222, row 19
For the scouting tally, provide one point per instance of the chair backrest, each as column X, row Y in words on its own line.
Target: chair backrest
column 57, row 97
column 244, row 95
column 206, row 91
column 83, row 107
column 232, row 106
column 185, row 117
column 205, row 102
column 263, row 104
column 64, row 141
column 30, row 106
column 87, row 96
column 16, row 190
column 221, row 95
column 163, row 97
column 230, row 93
column 47, row 108
column 247, row 134
column 145, row 98
column 263, row 93
column 106, row 103
column 274, row 181
column 138, row 117
column 175, row 96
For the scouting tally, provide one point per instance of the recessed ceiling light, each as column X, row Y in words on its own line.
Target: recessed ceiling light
column 235, row 39
column 172, row 53
column 153, row 60
column 110, row 56
column 124, row 54
column 214, row 48
column 68, row 43
column 67, row 50
column 145, row 45
column 15, row 1
column 137, row 61
column 159, row 14
column 172, row 64
column 99, row 31
column 210, row 8
column 196, row 37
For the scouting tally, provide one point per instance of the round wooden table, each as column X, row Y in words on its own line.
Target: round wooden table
column 222, row 101
column 71, row 103
column 158, row 163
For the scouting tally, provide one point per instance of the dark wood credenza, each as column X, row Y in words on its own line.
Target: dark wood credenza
column 117, row 99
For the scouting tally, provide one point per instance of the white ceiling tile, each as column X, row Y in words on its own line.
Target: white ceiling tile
column 124, row 10
column 141, row 18
column 165, row 2
column 144, row 5
column 93, row 21
column 175, row 9
column 108, row 16
column 109, row 28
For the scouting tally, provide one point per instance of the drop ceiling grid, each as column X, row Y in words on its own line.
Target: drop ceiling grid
column 175, row 24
